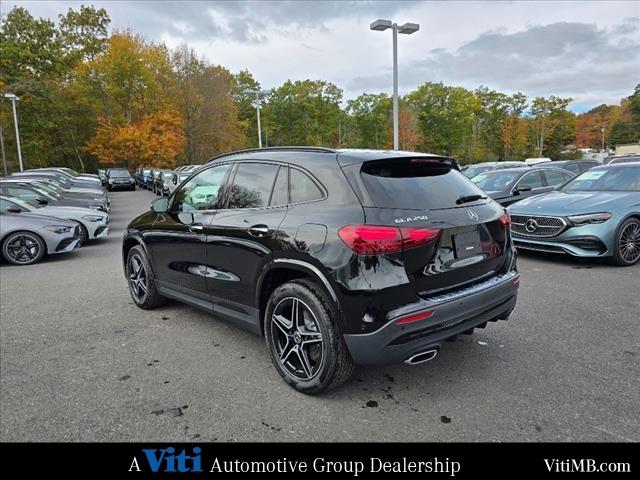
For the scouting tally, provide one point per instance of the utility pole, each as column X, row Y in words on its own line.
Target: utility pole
column 13, row 99
column 602, row 130
column 408, row 28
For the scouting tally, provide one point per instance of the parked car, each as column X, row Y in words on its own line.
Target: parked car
column 573, row 166
column 77, row 181
column 514, row 184
column 622, row 159
column 478, row 168
column 74, row 173
column 102, row 174
column 65, row 182
column 120, row 179
column 597, row 214
column 61, row 185
column 145, row 178
column 536, row 160
column 154, row 177
column 39, row 194
column 92, row 224
column 187, row 168
column 176, row 179
column 339, row 257
column 162, row 182
column 25, row 239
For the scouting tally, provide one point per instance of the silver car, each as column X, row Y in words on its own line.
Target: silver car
column 93, row 224
column 25, row 239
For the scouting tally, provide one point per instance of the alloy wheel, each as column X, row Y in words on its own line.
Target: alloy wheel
column 23, row 249
column 137, row 278
column 297, row 339
column 630, row 243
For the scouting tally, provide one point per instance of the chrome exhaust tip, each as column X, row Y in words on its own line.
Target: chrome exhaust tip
column 422, row 357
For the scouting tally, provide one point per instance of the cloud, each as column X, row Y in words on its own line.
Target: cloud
column 564, row 58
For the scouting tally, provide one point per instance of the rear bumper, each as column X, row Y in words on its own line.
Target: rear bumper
column 452, row 314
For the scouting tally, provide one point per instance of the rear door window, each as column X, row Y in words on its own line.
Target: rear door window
column 252, row 185
column 415, row 184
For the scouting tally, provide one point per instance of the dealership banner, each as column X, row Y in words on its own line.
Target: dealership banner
column 454, row 460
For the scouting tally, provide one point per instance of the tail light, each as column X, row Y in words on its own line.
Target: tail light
column 376, row 240
column 505, row 220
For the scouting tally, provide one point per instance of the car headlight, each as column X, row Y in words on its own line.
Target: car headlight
column 58, row 228
column 93, row 218
column 96, row 207
column 590, row 218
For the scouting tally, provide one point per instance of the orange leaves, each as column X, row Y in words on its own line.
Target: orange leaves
column 156, row 140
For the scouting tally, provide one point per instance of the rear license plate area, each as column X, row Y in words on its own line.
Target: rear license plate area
column 467, row 244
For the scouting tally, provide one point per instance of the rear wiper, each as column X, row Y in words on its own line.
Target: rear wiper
column 469, row 198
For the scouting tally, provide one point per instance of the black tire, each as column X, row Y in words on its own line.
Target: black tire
column 145, row 296
column 34, row 246
column 84, row 234
column 332, row 365
column 626, row 250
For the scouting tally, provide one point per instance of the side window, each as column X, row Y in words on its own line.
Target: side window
column 202, row 191
column 280, row 195
column 5, row 205
column 584, row 166
column 573, row 168
column 22, row 193
column 252, row 185
column 532, row 179
column 555, row 178
column 303, row 189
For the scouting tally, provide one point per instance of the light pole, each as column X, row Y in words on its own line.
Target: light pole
column 407, row 29
column 258, row 106
column 602, row 130
column 13, row 99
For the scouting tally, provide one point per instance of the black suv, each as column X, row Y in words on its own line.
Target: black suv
column 337, row 257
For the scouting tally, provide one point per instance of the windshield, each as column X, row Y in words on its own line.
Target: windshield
column 119, row 173
column 25, row 203
column 46, row 192
column 146, row 172
column 474, row 170
column 499, row 180
column 615, row 179
column 415, row 184
column 167, row 175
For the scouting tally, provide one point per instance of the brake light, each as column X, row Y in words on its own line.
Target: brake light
column 378, row 240
column 505, row 220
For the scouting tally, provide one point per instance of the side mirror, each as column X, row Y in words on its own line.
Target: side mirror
column 42, row 201
column 522, row 189
column 13, row 210
column 160, row 205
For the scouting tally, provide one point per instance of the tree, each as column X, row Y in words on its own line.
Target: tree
column 512, row 130
column 156, row 141
column 371, row 118
column 304, row 113
column 549, row 117
column 244, row 100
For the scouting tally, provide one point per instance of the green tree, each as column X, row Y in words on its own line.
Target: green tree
column 370, row 116
column 305, row 113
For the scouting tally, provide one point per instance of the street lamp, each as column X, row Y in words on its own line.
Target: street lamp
column 407, row 29
column 258, row 106
column 13, row 99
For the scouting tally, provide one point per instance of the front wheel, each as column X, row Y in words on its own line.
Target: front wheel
column 303, row 336
column 627, row 243
column 142, row 285
column 84, row 234
column 23, row 248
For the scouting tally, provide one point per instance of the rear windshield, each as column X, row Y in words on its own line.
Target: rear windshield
column 415, row 184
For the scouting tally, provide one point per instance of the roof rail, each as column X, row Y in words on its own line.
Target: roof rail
column 275, row 149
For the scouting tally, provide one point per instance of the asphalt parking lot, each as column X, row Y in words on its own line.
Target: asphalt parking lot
column 80, row 362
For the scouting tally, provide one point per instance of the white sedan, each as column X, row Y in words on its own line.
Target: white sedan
column 93, row 223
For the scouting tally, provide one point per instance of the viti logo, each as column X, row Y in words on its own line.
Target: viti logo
column 168, row 461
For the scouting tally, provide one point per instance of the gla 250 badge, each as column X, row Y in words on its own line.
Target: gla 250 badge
column 411, row 219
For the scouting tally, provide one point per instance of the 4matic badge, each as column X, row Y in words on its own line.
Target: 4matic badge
column 411, row 219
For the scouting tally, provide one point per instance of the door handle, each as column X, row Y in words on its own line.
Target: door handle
column 258, row 230
column 196, row 227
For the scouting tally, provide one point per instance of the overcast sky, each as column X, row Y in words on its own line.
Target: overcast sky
column 589, row 51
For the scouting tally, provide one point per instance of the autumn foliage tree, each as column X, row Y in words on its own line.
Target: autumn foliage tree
column 156, row 141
